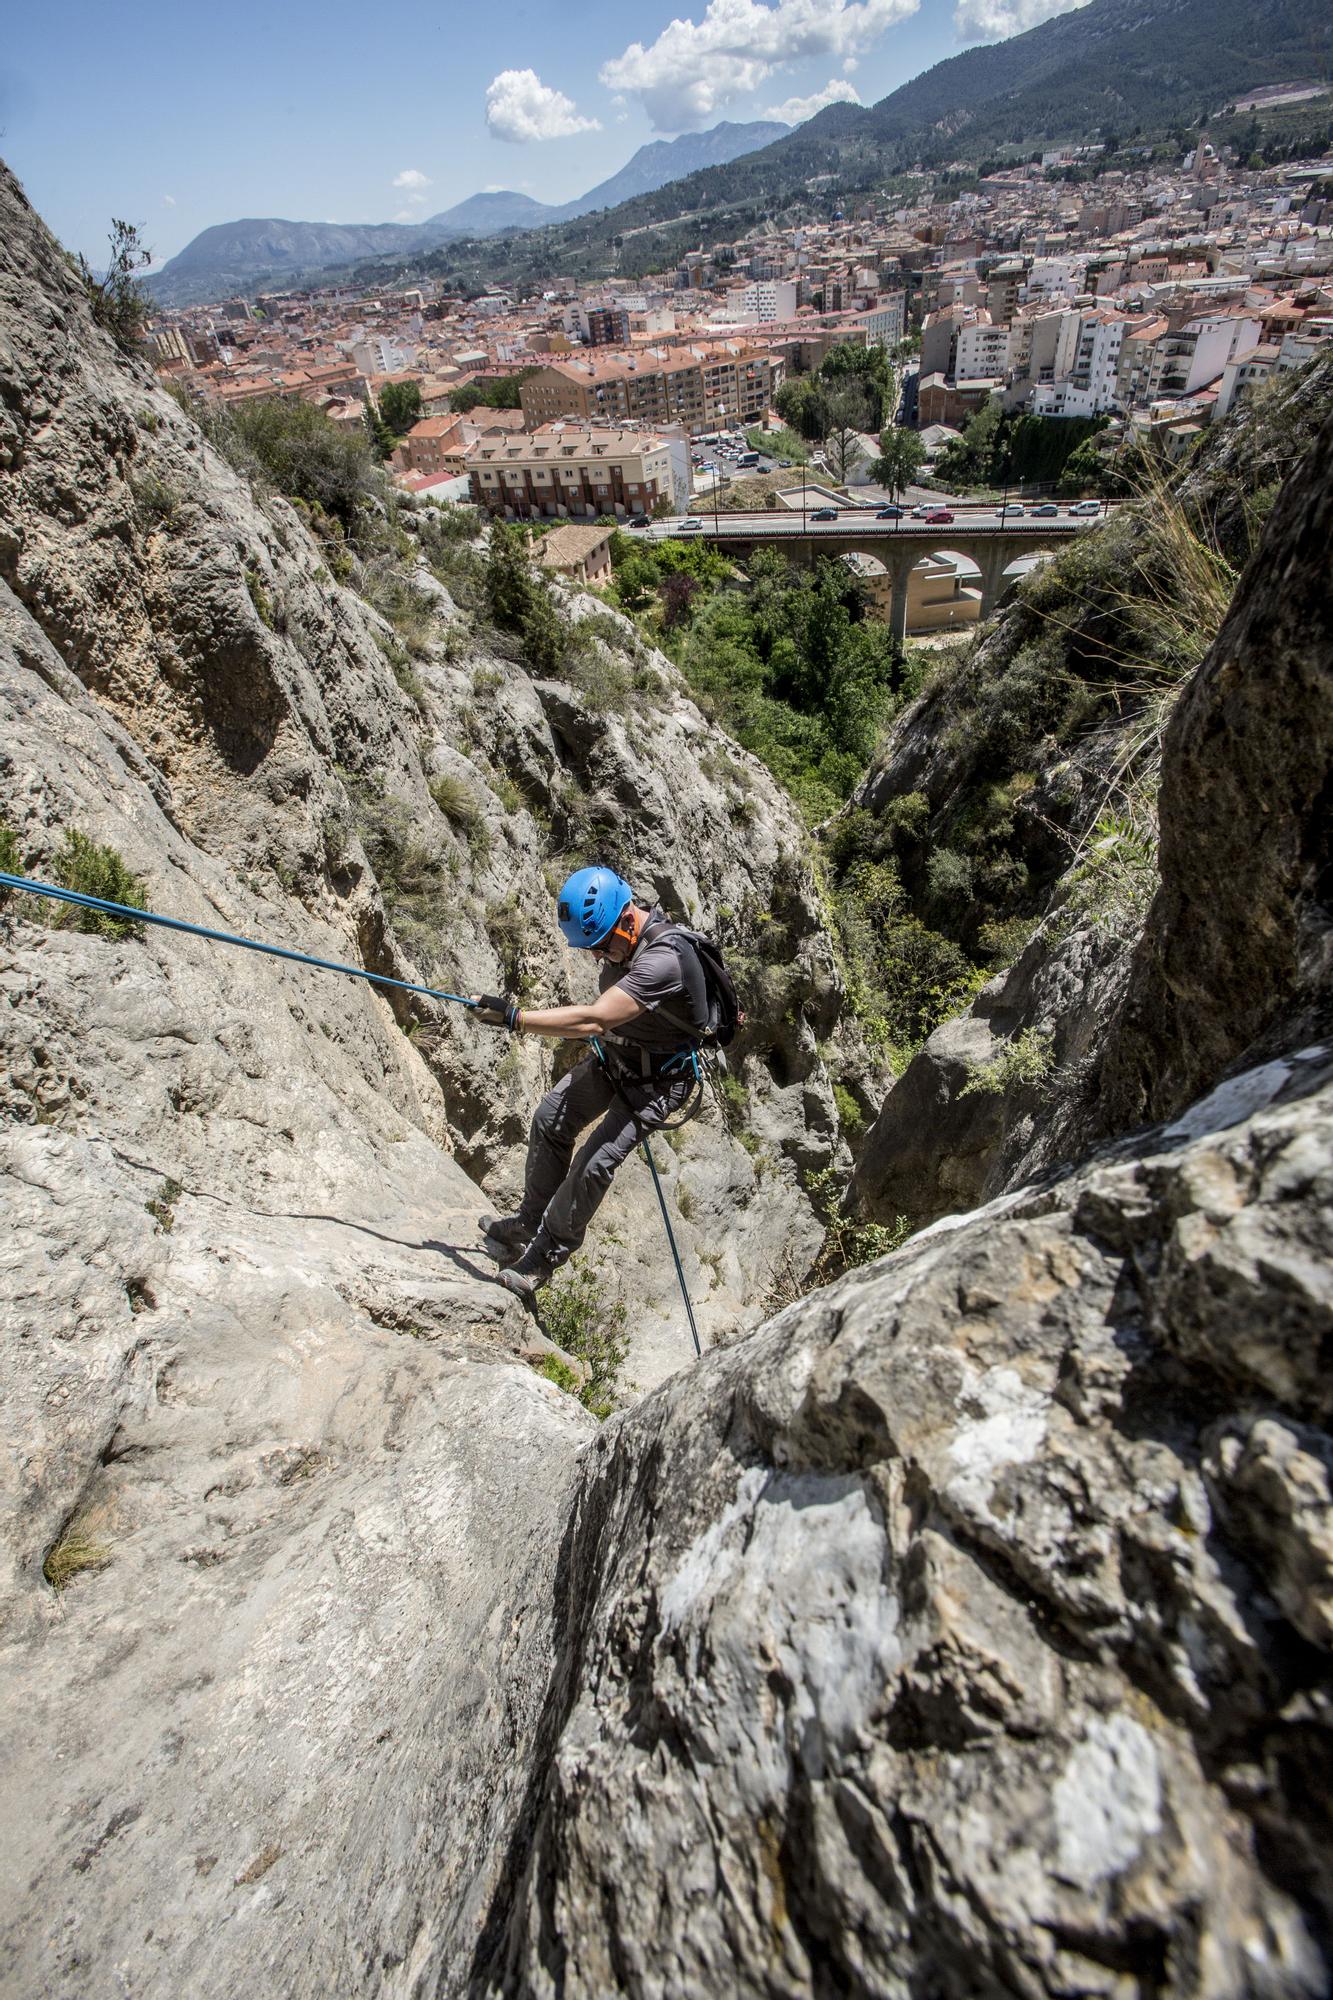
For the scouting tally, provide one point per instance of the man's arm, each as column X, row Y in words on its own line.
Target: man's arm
column 610, row 1010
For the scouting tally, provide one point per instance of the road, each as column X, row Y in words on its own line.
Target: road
column 861, row 523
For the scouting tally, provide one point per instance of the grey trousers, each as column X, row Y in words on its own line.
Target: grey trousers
column 563, row 1189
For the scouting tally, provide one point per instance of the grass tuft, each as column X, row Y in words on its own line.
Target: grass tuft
column 78, row 1548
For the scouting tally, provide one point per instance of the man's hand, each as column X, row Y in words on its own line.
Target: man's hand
column 496, row 1011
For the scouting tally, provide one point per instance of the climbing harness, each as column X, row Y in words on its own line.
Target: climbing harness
column 126, row 911
column 692, row 1054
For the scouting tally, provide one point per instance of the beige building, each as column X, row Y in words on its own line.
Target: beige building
column 565, row 470
column 701, row 387
column 579, row 550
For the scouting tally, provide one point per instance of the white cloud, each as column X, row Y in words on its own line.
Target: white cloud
column 797, row 109
column 168, row 201
column 694, row 69
column 995, row 20
column 416, row 184
column 520, row 107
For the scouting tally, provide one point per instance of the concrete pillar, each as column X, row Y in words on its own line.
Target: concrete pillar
column 993, row 556
column 900, row 571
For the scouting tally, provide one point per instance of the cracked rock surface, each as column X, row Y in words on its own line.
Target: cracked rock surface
column 966, row 1630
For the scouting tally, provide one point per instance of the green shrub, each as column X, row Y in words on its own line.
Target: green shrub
column 950, row 875
column 1027, row 1059
column 850, row 1115
column 97, row 871
column 460, row 805
column 260, row 598
column 577, row 1316
column 11, row 858
column 388, row 586
column 155, row 502
column 306, row 456
column 849, row 1239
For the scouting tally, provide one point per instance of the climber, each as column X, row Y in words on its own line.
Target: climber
column 649, row 1020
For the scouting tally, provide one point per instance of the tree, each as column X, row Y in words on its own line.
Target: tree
column 306, row 456
column 901, row 457
column 400, row 406
column 800, row 406
column 678, row 592
column 844, row 415
column 116, row 300
column 509, row 579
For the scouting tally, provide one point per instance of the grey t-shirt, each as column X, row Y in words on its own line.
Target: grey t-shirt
column 654, row 980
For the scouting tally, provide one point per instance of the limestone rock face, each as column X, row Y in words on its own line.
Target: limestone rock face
column 1141, row 1009
column 262, row 752
column 1239, row 940
column 966, row 1630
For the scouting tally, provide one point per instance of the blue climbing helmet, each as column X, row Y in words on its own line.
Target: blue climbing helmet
column 591, row 904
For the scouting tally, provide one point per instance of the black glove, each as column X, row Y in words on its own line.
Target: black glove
column 496, row 1012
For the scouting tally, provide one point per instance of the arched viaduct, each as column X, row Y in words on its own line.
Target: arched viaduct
column 898, row 545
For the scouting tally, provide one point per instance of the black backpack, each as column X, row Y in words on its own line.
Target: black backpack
column 714, row 1005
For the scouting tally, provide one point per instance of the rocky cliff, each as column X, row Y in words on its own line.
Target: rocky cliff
column 964, row 1629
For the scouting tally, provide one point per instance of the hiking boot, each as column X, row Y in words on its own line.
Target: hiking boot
column 507, row 1230
column 532, row 1269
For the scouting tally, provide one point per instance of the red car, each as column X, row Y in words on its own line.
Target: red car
column 938, row 517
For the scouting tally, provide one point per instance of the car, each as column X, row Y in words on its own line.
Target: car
column 783, row 464
column 920, row 513
column 824, row 514
column 1013, row 512
column 1046, row 511
column 1087, row 507
column 889, row 514
column 938, row 517
column 690, row 521
column 638, row 521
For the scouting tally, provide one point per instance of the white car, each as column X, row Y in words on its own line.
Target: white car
column 1087, row 507
column 690, row 521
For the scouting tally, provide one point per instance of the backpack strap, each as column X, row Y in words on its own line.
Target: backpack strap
column 692, row 976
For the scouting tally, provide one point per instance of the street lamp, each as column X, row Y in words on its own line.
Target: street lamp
column 717, row 478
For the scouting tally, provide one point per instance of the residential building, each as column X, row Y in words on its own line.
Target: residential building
column 434, row 445
column 1197, row 353
column 579, row 550
column 982, row 349
column 767, row 299
column 701, row 388
column 562, row 470
column 1243, row 374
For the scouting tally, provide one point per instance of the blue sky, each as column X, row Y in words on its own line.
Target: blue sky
column 174, row 118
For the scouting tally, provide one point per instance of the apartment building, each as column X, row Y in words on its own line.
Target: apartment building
column 768, row 299
column 1197, row 353
column 1244, row 373
column 981, row 350
column 701, row 388
column 561, row 471
column 597, row 326
column 433, row 446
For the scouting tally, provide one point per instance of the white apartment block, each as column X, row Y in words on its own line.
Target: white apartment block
column 982, row 353
column 886, row 320
column 768, row 298
column 1197, row 353
column 379, row 354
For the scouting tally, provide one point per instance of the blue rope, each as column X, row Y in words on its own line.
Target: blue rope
column 671, row 1239
column 125, row 911
column 600, row 1053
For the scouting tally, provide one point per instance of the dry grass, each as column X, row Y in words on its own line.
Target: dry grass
column 81, row 1546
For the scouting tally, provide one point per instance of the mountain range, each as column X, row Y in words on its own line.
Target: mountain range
column 1128, row 67
column 236, row 256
